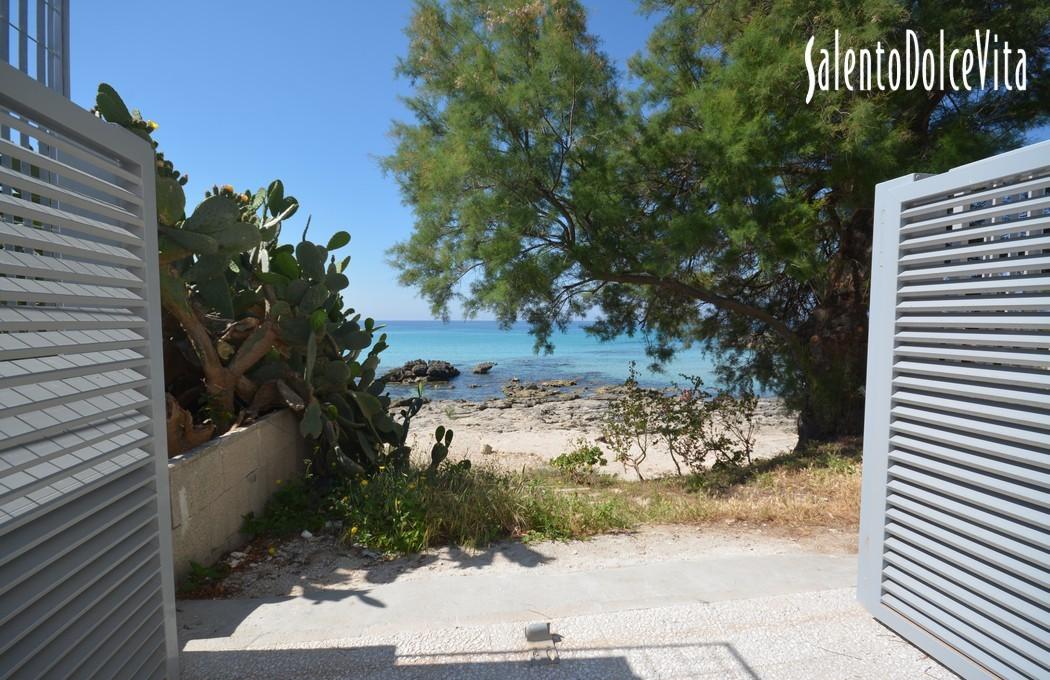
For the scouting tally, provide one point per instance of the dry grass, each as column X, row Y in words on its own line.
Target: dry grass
column 820, row 487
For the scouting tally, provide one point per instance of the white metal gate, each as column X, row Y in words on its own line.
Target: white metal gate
column 955, row 518
column 86, row 585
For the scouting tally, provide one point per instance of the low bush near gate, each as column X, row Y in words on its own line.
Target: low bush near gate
column 699, row 428
column 252, row 324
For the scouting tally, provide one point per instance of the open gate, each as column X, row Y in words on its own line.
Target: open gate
column 86, row 587
column 955, row 518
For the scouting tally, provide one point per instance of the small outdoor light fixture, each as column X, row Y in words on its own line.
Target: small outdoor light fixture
column 538, row 631
column 539, row 637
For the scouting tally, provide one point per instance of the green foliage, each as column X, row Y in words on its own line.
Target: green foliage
column 202, row 577
column 582, row 462
column 296, row 505
column 266, row 322
column 699, row 428
column 706, row 204
column 408, row 511
column 630, row 425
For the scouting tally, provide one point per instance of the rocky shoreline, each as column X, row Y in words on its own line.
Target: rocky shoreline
column 534, row 422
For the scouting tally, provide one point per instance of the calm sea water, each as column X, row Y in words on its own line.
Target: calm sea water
column 576, row 355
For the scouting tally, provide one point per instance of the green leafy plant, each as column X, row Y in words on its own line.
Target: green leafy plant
column 296, row 505
column 202, row 577
column 582, row 462
column 254, row 324
column 630, row 424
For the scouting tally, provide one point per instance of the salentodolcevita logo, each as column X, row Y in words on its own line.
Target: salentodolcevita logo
column 988, row 63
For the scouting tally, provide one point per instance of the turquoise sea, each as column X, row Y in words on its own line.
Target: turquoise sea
column 576, row 355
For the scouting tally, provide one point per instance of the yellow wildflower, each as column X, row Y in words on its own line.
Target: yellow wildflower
column 353, row 531
column 364, row 482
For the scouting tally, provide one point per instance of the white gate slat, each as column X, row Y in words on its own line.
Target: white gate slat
column 969, row 198
column 975, row 339
column 35, row 238
column 68, row 443
column 1003, row 376
column 1033, row 264
column 55, row 292
column 973, row 355
column 26, row 345
column 1024, row 322
column 955, row 509
column 1023, row 398
column 988, row 633
column 982, row 508
column 68, row 172
column 980, row 444
column 978, row 304
column 18, row 372
column 27, row 211
column 966, row 236
column 14, row 319
column 28, row 264
column 26, row 184
column 102, row 161
column 997, row 284
column 1031, row 206
column 976, row 407
column 986, row 597
column 993, row 248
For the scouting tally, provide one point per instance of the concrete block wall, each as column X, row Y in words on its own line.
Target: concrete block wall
column 215, row 485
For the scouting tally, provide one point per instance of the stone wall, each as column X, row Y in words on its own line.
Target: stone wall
column 215, row 485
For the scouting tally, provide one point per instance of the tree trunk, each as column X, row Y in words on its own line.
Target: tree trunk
column 833, row 404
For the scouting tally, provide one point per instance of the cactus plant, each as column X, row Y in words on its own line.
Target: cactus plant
column 262, row 324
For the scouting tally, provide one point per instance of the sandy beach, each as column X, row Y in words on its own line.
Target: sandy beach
column 537, row 422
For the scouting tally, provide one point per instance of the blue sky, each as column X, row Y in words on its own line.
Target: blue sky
column 248, row 92
column 252, row 91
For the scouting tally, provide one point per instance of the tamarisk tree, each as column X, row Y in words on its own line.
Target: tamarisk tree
column 705, row 205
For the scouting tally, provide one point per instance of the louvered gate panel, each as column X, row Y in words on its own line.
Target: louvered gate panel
column 955, row 528
column 85, row 555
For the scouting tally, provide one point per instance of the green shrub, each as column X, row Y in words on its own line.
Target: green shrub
column 408, row 511
column 297, row 504
column 582, row 462
column 699, row 428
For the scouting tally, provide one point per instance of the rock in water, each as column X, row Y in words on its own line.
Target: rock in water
column 484, row 367
column 418, row 369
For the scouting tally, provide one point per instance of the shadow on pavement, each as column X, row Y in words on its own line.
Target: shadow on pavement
column 382, row 662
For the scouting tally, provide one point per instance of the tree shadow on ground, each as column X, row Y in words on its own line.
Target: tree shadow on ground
column 382, row 662
column 515, row 552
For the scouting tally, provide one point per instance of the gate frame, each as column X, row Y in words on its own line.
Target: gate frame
column 882, row 319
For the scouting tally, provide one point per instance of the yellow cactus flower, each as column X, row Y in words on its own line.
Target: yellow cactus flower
column 152, row 125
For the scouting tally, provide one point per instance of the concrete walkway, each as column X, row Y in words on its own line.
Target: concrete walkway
column 754, row 616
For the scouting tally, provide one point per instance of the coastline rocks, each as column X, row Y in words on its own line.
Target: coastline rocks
column 419, row 369
column 484, row 367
